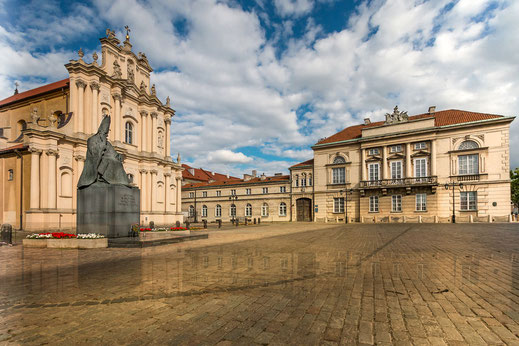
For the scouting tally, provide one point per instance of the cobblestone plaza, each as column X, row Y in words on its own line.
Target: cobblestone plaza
column 276, row 284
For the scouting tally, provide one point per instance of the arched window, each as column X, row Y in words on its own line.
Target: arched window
column 204, row 211
column 297, row 180
column 339, row 159
column 191, row 211
column 128, row 132
column 309, row 180
column 265, row 209
column 160, row 192
column 218, row 211
column 303, row 179
column 232, row 210
column 248, row 210
column 468, row 145
column 282, row 209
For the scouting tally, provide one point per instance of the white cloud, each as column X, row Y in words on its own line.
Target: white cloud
column 227, row 156
column 293, row 7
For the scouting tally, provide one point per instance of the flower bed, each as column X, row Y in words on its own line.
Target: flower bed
column 163, row 229
column 66, row 240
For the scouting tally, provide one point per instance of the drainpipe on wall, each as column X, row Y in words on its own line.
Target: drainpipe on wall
column 21, row 187
column 313, row 191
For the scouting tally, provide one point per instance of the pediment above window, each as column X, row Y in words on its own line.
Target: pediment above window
column 421, row 153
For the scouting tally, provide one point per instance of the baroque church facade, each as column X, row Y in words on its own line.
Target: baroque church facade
column 44, row 132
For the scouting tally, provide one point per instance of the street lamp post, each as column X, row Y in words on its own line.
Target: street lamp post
column 195, row 221
column 233, row 199
column 453, row 184
column 346, row 191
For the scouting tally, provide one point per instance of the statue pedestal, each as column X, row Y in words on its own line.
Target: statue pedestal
column 107, row 209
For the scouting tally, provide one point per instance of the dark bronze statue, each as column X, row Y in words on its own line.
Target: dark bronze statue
column 103, row 165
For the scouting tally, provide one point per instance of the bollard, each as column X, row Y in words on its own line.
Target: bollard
column 205, row 223
column 219, row 223
column 177, row 224
column 254, row 220
column 7, row 234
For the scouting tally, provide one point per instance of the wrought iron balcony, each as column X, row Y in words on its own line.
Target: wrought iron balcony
column 402, row 182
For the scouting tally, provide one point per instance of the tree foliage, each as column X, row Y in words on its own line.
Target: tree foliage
column 514, row 177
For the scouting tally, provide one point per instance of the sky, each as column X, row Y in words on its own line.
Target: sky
column 256, row 83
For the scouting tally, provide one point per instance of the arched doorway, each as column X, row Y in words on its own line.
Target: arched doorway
column 304, row 209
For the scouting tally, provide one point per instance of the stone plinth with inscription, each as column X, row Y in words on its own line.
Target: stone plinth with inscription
column 108, row 209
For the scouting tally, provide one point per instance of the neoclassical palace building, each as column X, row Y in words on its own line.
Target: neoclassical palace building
column 43, row 135
column 421, row 168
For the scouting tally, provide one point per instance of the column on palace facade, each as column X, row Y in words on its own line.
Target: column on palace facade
column 408, row 172
column 362, row 164
column 144, row 206
column 51, row 195
column 116, row 118
column 80, row 105
column 153, row 131
column 433, row 157
column 167, row 176
column 35, row 178
column 73, row 103
column 168, row 137
column 95, row 101
column 144, row 138
column 153, row 187
column 384, row 163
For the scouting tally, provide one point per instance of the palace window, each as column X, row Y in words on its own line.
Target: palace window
column 339, row 160
column 468, row 200
column 468, row 164
column 296, row 180
column 396, row 203
column 218, row 193
column 373, row 151
column 374, row 170
column 420, row 167
column 421, row 202
column 282, row 189
column 128, row 132
column 282, row 209
column 420, row 145
column 10, row 175
column 395, row 148
column 303, row 180
column 396, row 169
column 191, row 211
column 338, row 205
column 232, row 210
column 465, row 145
column 373, row 204
column 338, row 175
column 265, row 190
column 204, row 194
column 248, row 191
column 265, row 209
column 204, row 211
column 309, row 180
column 191, row 195
column 233, row 192
column 218, row 210
column 248, row 210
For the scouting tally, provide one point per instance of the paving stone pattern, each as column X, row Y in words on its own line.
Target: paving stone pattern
column 301, row 284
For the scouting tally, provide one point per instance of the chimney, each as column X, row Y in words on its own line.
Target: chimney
column 227, row 176
column 263, row 176
column 247, row 177
column 212, row 173
column 367, row 121
column 278, row 174
column 254, row 173
column 432, row 109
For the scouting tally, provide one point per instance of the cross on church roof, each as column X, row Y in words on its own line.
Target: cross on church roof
column 127, row 32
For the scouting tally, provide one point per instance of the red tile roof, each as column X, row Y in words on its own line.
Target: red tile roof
column 276, row 178
column 14, row 147
column 304, row 163
column 441, row 118
column 37, row 91
column 203, row 175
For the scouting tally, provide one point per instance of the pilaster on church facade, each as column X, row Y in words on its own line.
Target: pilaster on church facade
column 54, row 140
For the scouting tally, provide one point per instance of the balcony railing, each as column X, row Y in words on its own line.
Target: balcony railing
column 469, row 177
column 399, row 182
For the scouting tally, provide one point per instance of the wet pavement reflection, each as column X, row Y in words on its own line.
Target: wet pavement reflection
column 335, row 284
